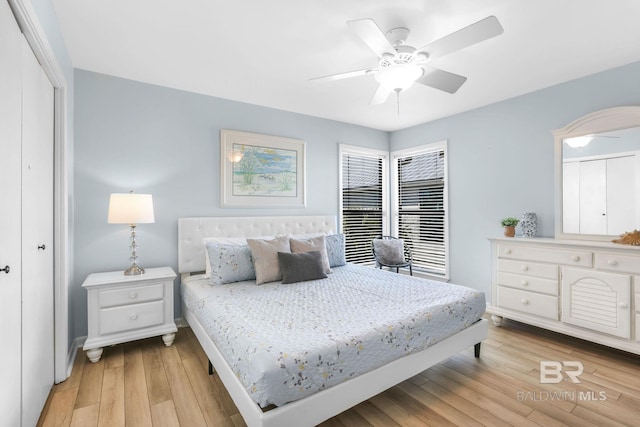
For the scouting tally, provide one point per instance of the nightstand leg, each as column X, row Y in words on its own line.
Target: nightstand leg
column 497, row 320
column 94, row 354
column 168, row 339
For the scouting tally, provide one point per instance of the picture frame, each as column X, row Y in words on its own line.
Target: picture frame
column 261, row 171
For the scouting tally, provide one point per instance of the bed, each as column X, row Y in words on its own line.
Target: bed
column 315, row 386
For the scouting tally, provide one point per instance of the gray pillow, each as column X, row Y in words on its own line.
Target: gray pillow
column 301, row 266
column 335, row 250
column 389, row 251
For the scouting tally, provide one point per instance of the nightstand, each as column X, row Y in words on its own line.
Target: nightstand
column 125, row 308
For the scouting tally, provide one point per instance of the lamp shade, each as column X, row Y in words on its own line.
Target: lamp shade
column 130, row 208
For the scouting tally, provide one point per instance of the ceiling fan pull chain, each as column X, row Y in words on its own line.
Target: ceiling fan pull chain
column 398, row 100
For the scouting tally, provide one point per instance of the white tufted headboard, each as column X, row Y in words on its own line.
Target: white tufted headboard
column 191, row 231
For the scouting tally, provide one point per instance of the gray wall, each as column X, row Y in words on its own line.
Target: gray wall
column 501, row 161
column 150, row 139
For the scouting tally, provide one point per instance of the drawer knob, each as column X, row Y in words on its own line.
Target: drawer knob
column 612, row 262
column 524, row 283
column 623, row 305
column 524, row 268
column 524, row 301
column 133, row 316
column 507, row 251
column 575, row 258
column 133, row 294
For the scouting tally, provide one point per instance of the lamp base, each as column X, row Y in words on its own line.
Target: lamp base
column 134, row 270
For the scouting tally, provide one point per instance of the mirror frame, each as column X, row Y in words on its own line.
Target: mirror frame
column 610, row 119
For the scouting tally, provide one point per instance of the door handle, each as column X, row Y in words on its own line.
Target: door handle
column 6, row 269
column 42, row 247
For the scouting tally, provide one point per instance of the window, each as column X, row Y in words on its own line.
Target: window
column 420, row 205
column 363, row 200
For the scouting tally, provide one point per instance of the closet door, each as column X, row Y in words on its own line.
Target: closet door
column 37, row 237
column 593, row 197
column 571, row 197
column 621, row 195
column 10, row 221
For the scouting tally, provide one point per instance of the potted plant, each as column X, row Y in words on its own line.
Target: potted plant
column 509, row 225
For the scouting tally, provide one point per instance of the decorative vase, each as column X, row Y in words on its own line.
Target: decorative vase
column 509, row 230
column 529, row 224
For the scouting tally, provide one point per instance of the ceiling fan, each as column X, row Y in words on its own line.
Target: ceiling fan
column 401, row 65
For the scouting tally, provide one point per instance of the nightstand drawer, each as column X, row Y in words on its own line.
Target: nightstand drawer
column 529, row 283
column 528, row 302
column 136, row 316
column 527, row 268
column 131, row 295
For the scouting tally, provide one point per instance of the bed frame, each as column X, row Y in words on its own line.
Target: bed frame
column 327, row 403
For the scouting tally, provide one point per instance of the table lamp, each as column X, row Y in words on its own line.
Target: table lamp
column 132, row 209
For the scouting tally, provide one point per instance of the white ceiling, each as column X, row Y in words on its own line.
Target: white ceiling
column 264, row 51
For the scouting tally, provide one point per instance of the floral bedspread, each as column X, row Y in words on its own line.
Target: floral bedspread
column 285, row 342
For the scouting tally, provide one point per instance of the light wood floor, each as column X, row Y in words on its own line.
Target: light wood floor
column 145, row 383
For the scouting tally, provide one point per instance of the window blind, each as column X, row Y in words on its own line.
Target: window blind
column 362, row 204
column 421, row 217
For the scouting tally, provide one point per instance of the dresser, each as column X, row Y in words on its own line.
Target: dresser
column 589, row 290
column 125, row 308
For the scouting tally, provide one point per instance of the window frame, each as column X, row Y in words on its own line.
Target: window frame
column 395, row 203
column 345, row 149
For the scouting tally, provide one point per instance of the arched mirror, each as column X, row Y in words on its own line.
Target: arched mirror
column 598, row 175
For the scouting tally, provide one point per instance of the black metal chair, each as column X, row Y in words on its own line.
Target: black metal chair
column 392, row 252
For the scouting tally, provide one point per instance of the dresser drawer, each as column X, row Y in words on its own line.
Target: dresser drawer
column 135, row 316
column 547, row 271
column 556, row 256
column 528, row 302
column 614, row 262
column 528, row 283
column 131, row 295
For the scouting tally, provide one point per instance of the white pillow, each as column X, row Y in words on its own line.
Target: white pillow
column 265, row 258
column 312, row 244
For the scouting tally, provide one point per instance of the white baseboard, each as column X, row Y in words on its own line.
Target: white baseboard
column 72, row 353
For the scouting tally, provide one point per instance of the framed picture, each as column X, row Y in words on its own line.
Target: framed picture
column 261, row 171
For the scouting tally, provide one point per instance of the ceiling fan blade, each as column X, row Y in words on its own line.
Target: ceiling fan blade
column 341, row 76
column 442, row 80
column 475, row 33
column 371, row 34
column 380, row 96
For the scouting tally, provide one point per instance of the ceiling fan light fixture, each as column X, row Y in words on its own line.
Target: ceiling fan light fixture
column 579, row 141
column 398, row 77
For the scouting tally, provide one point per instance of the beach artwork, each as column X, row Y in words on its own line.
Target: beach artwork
column 264, row 171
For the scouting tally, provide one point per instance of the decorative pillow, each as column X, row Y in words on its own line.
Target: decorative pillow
column 389, row 251
column 335, row 249
column 301, row 267
column 238, row 241
column 311, row 244
column 265, row 258
column 230, row 263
